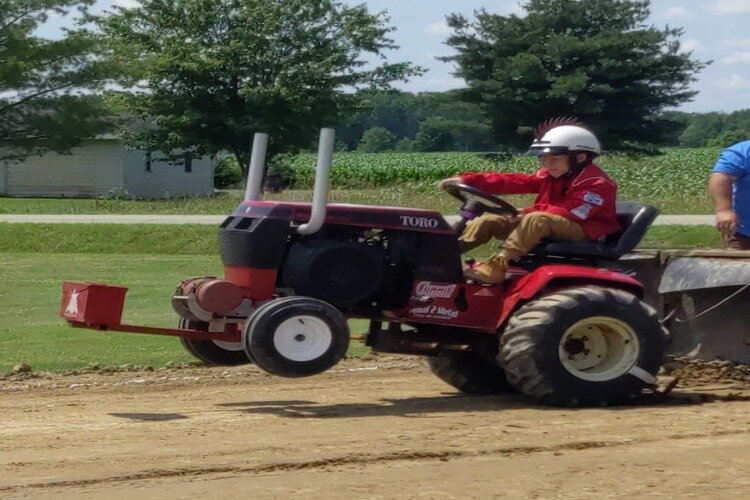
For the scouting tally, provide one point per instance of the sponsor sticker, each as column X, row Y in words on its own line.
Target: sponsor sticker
column 582, row 212
column 594, row 198
column 433, row 312
column 435, row 291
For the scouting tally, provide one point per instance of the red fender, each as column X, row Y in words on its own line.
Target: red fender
column 564, row 276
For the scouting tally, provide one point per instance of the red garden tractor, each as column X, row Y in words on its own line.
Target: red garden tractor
column 564, row 327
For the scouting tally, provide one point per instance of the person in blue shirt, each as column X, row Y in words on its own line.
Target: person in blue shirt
column 729, row 186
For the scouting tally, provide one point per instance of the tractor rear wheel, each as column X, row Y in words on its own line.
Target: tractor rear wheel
column 587, row 346
column 296, row 336
column 212, row 352
column 470, row 373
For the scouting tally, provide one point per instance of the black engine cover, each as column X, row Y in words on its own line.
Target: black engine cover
column 342, row 273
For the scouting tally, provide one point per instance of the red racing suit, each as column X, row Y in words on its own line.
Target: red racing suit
column 587, row 198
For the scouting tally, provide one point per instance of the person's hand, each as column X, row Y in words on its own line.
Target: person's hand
column 727, row 222
column 441, row 184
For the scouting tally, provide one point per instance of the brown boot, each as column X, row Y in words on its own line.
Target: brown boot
column 490, row 272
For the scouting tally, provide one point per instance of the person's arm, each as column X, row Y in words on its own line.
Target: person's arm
column 586, row 200
column 720, row 186
column 728, row 169
column 497, row 183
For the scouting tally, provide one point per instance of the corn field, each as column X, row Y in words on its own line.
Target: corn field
column 677, row 173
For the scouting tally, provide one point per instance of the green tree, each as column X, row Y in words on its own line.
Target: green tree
column 434, row 134
column 405, row 145
column 594, row 59
column 375, row 140
column 213, row 72
column 701, row 129
column 678, row 122
column 47, row 87
column 738, row 120
column 728, row 137
column 399, row 112
column 402, row 113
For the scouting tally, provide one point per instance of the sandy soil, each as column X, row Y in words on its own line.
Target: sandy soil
column 378, row 428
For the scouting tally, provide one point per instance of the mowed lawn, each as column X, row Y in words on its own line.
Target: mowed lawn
column 149, row 259
column 417, row 195
column 34, row 334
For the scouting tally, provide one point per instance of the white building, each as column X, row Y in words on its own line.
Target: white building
column 103, row 167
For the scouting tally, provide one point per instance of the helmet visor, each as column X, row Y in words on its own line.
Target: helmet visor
column 541, row 150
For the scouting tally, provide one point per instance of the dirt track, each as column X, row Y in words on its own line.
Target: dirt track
column 382, row 428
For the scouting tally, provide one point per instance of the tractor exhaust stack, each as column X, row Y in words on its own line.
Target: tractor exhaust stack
column 257, row 164
column 322, row 183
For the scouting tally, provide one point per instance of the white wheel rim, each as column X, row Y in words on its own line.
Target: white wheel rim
column 214, row 327
column 599, row 349
column 229, row 346
column 302, row 338
column 218, row 327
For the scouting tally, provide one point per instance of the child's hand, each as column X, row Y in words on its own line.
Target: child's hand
column 441, row 184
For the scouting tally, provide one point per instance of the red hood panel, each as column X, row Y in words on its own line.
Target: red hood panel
column 408, row 219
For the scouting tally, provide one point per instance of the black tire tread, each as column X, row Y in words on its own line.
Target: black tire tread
column 207, row 351
column 470, row 374
column 529, row 324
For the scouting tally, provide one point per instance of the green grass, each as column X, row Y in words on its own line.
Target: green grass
column 191, row 239
column 423, row 195
column 680, row 237
column 29, row 301
column 150, row 260
column 122, row 239
column 32, row 332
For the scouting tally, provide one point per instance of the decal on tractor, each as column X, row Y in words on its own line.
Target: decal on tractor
column 426, row 222
column 433, row 312
column 72, row 307
column 435, row 291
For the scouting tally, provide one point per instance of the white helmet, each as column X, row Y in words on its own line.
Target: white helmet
column 561, row 136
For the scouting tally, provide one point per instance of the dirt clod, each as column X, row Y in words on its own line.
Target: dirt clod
column 692, row 372
column 21, row 368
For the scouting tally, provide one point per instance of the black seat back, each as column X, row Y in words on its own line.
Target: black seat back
column 634, row 218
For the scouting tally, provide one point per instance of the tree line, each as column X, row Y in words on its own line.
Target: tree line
column 442, row 121
column 201, row 76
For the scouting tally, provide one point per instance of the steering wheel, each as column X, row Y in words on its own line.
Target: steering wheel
column 475, row 202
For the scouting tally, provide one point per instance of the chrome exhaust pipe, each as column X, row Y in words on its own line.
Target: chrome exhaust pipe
column 257, row 165
column 322, row 183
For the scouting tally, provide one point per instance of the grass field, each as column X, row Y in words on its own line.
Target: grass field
column 191, row 239
column 150, row 260
column 32, row 332
column 410, row 195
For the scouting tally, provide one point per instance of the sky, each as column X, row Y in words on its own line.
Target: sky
column 715, row 30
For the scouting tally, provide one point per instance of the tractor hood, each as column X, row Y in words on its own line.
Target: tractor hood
column 407, row 219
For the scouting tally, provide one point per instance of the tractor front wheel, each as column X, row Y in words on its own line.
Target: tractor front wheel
column 296, row 336
column 212, row 352
column 587, row 346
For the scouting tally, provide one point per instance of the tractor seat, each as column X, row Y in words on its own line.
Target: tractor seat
column 634, row 218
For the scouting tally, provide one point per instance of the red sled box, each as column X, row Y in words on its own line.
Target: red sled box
column 92, row 303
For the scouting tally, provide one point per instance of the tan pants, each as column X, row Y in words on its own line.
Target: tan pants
column 520, row 235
